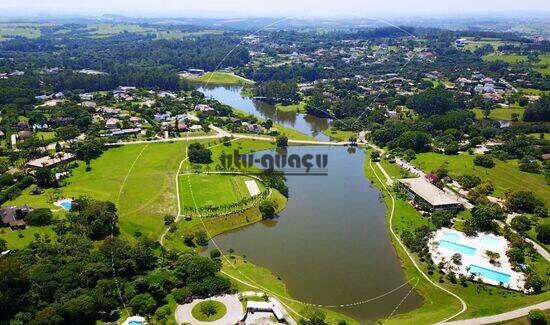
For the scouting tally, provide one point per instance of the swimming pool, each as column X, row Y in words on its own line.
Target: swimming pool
column 490, row 240
column 135, row 322
column 490, row 274
column 463, row 249
column 451, row 237
column 67, row 205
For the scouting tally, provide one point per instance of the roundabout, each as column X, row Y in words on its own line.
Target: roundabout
column 219, row 310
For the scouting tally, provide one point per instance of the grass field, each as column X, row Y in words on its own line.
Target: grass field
column 501, row 114
column 16, row 242
column 8, row 31
column 481, row 300
column 298, row 108
column 213, row 190
column 140, row 179
column 222, row 78
column 505, row 176
column 339, row 135
column 508, row 58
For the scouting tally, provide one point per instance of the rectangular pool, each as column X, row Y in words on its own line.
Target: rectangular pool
column 490, row 240
column 463, row 249
column 490, row 274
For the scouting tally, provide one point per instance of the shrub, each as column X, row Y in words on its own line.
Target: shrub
column 39, row 217
column 543, row 233
column 181, row 294
column 484, row 161
column 267, row 210
column 537, row 317
column 521, row 223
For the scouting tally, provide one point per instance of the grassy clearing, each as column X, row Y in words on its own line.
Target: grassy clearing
column 298, row 108
column 222, row 78
column 501, row 114
column 339, row 135
column 508, row 58
column 505, row 176
column 9, row 31
column 263, row 278
column 28, row 235
column 482, row 300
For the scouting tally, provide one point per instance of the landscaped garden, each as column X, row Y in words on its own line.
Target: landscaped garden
column 209, row 311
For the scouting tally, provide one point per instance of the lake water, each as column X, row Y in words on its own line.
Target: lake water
column 330, row 245
column 231, row 95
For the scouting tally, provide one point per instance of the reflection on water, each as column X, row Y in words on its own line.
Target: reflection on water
column 330, row 245
column 231, row 95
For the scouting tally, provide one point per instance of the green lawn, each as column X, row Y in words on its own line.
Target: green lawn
column 283, row 130
column 8, row 30
column 339, row 134
column 482, row 300
column 222, row 78
column 213, row 190
column 508, row 58
column 28, row 234
column 501, row 114
column 219, row 310
column 505, row 176
column 298, row 108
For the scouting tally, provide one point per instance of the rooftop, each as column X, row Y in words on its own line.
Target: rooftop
column 427, row 191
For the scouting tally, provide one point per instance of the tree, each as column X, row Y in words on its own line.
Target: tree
column 199, row 154
column 516, row 255
column 282, row 141
column 541, row 211
column 143, row 304
column 14, row 283
column 3, row 244
column 442, row 218
column 39, row 217
column 529, row 164
column 484, row 161
column 522, row 201
column 201, row 238
column 267, row 209
column 181, row 295
column 375, row 156
column 521, row 223
column 215, row 253
column 537, row 317
column 209, row 308
column 468, row 181
column 49, row 316
column 44, row 177
column 543, row 233
column 416, row 140
column 483, row 216
column 79, row 310
column 534, row 282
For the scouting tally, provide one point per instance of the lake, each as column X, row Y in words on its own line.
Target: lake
column 231, row 95
column 330, row 245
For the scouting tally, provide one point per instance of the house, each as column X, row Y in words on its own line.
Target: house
column 40, row 127
column 87, row 97
column 182, row 126
column 26, row 134
column 48, row 161
column 59, row 95
column 161, row 117
column 2, row 134
column 461, row 42
column 266, row 307
column 135, row 119
column 13, row 216
column 111, row 123
column 422, row 191
column 196, row 72
column 254, row 128
column 123, row 132
column 22, row 126
column 167, row 94
column 203, row 108
column 108, row 111
column 195, row 127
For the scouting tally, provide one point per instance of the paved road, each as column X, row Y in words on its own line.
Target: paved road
column 234, row 311
column 502, row 317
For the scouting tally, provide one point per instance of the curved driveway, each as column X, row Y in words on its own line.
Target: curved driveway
column 233, row 315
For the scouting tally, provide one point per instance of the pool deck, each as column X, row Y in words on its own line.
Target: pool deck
column 493, row 243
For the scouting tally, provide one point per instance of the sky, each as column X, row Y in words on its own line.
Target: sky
column 268, row 8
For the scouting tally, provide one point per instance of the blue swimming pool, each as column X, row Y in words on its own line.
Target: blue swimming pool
column 490, row 240
column 451, row 237
column 135, row 322
column 490, row 274
column 463, row 249
column 67, row 205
